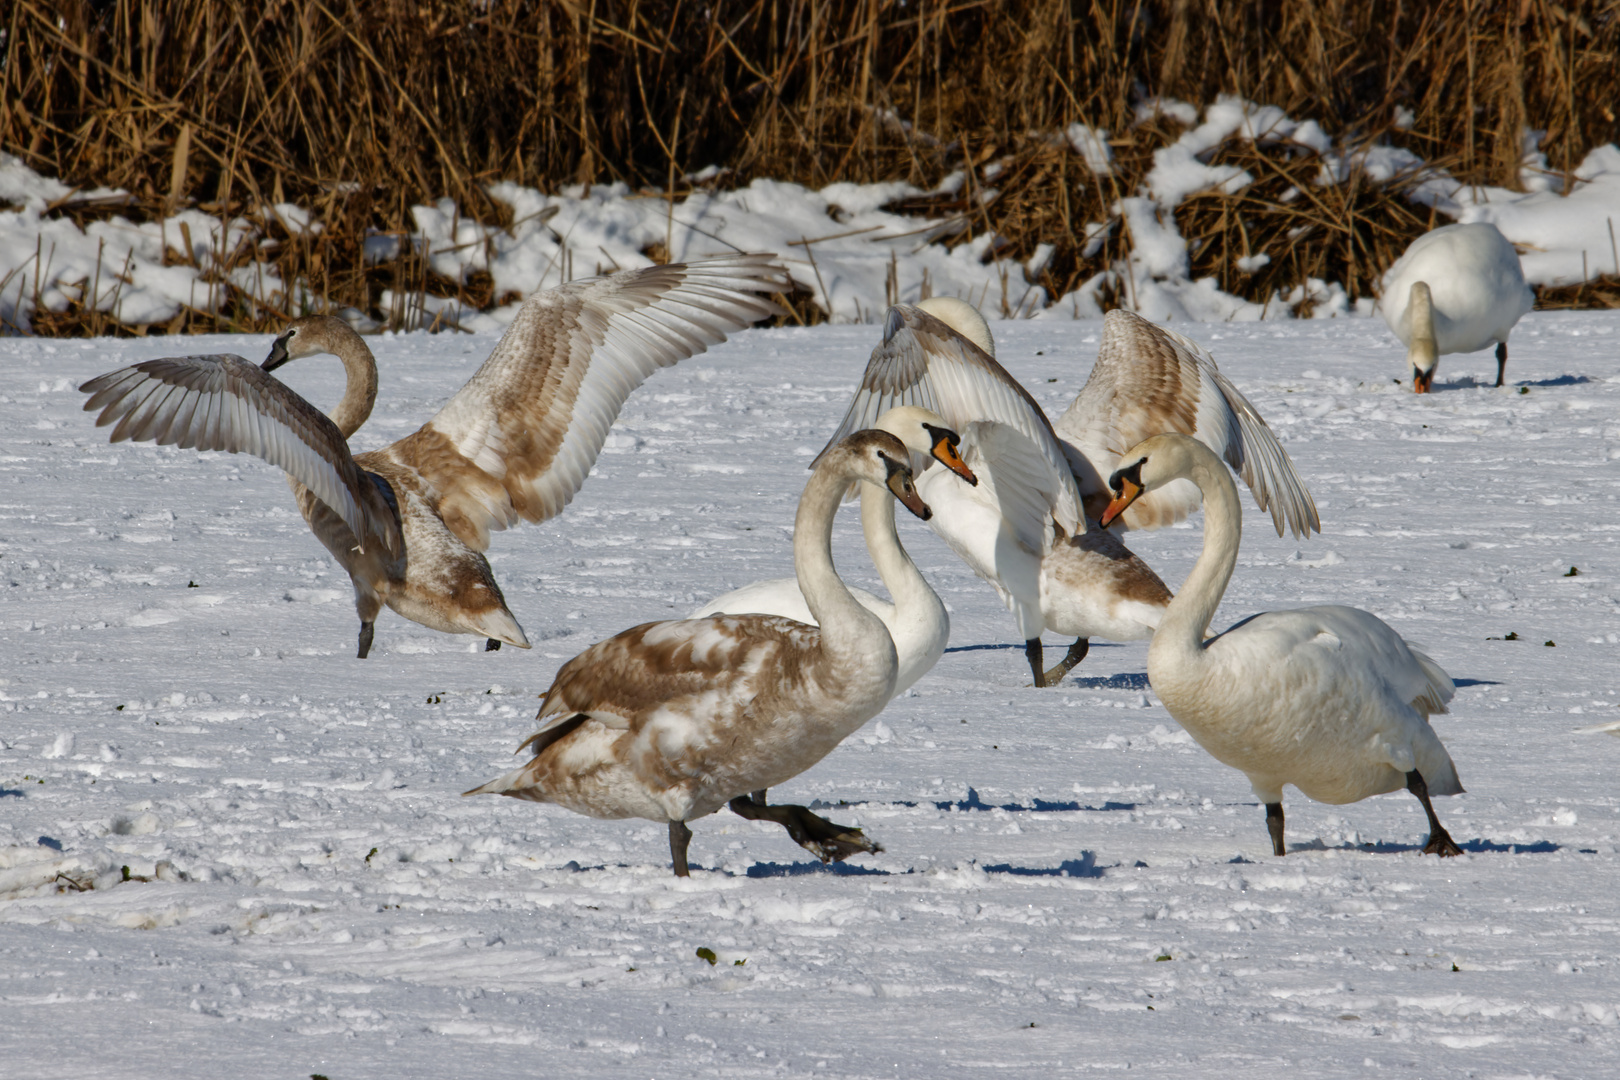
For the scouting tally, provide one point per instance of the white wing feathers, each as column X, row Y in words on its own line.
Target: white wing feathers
column 1148, row 381
column 534, row 417
column 922, row 361
column 223, row 402
column 1018, row 476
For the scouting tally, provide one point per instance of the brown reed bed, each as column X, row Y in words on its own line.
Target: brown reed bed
column 358, row 109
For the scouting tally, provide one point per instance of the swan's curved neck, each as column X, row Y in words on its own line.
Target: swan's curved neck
column 360, row 389
column 1189, row 614
column 900, row 575
column 824, row 591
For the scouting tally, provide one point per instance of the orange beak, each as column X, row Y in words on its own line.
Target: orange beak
column 1128, row 493
column 1421, row 381
column 945, row 453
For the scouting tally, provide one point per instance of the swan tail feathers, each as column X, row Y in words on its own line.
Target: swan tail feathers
column 1439, row 689
column 519, row 783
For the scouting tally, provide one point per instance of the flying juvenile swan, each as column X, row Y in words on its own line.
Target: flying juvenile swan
column 1329, row 699
column 916, row 619
column 1027, row 527
column 670, row 721
column 410, row 522
column 1455, row 290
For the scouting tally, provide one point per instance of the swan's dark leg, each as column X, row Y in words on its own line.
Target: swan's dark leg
column 758, row 796
column 1077, row 652
column 820, row 837
column 368, row 630
column 1501, row 361
column 1274, row 825
column 1032, row 653
column 1440, row 842
column 491, row 645
column 679, row 837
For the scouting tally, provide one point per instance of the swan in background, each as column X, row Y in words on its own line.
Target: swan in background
column 916, row 619
column 670, row 721
column 1455, row 290
column 410, row 522
column 1329, row 699
column 1025, row 529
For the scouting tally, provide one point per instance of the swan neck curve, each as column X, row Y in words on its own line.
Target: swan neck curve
column 825, row 594
column 360, row 387
column 1195, row 603
column 900, row 575
column 1422, row 352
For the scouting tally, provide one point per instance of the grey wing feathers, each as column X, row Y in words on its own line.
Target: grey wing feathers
column 1439, row 690
column 922, row 361
column 535, row 415
column 1265, row 466
column 223, row 402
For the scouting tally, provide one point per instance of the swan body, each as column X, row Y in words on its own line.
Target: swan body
column 672, row 720
column 410, row 522
column 1025, row 528
column 916, row 618
column 1328, row 699
column 1456, row 289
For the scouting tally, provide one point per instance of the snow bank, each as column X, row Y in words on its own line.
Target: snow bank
column 841, row 244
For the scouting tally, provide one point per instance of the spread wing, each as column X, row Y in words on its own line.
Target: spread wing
column 922, row 361
column 519, row 439
column 1024, row 484
column 1149, row 381
column 223, row 402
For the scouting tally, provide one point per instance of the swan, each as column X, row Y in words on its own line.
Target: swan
column 410, row 522
column 916, row 619
column 670, row 721
column 1025, row 529
column 1329, row 699
column 1455, row 290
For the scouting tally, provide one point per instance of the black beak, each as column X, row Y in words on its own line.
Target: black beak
column 278, row 354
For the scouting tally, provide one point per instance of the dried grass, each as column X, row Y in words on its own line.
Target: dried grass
column 358, row 109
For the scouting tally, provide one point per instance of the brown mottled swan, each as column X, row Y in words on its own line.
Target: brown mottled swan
column 670, row 721
column 410, row 522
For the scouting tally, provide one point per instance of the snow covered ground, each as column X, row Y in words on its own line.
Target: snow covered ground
column 1069, row 884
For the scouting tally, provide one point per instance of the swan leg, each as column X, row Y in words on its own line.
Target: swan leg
column 1440, row 842
column 1501, row 361
column 679, row 837
column 491, row 645
column 1274, row 825
column 758, row 797
column 822, row 838
column 1032, row 652
column 1077, row 652
column 368, row 630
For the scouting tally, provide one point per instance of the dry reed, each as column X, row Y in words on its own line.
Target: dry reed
column 356, row 109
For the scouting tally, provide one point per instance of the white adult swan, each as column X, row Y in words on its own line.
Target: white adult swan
column 410, row 522
column 670, row 721
column 1455, row 290
column 916, row 618
column 1329, row 699
column 1025, row 529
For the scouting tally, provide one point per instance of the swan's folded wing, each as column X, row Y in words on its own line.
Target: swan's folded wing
column 922, row 361
column 223, row 402
column 1149, row 381
column 1023, row 482
column 519, row 439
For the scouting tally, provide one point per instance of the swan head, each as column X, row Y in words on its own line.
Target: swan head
column 1422, row 354
column 880, row 458
column 1151, row 464
column 924, row 432
column 311, row 335
column 962, row 317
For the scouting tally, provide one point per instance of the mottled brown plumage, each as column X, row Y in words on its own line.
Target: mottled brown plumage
column 410, row 522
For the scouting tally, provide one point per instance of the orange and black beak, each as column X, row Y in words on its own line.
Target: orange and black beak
column 1127, row 486
column 946, row 443
column 902, row 488
column 1422, row 380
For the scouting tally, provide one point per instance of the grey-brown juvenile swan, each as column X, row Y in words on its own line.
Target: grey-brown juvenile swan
column 410, row 522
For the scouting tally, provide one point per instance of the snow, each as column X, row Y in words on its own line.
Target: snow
column 308, row 893
column 839, row 243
